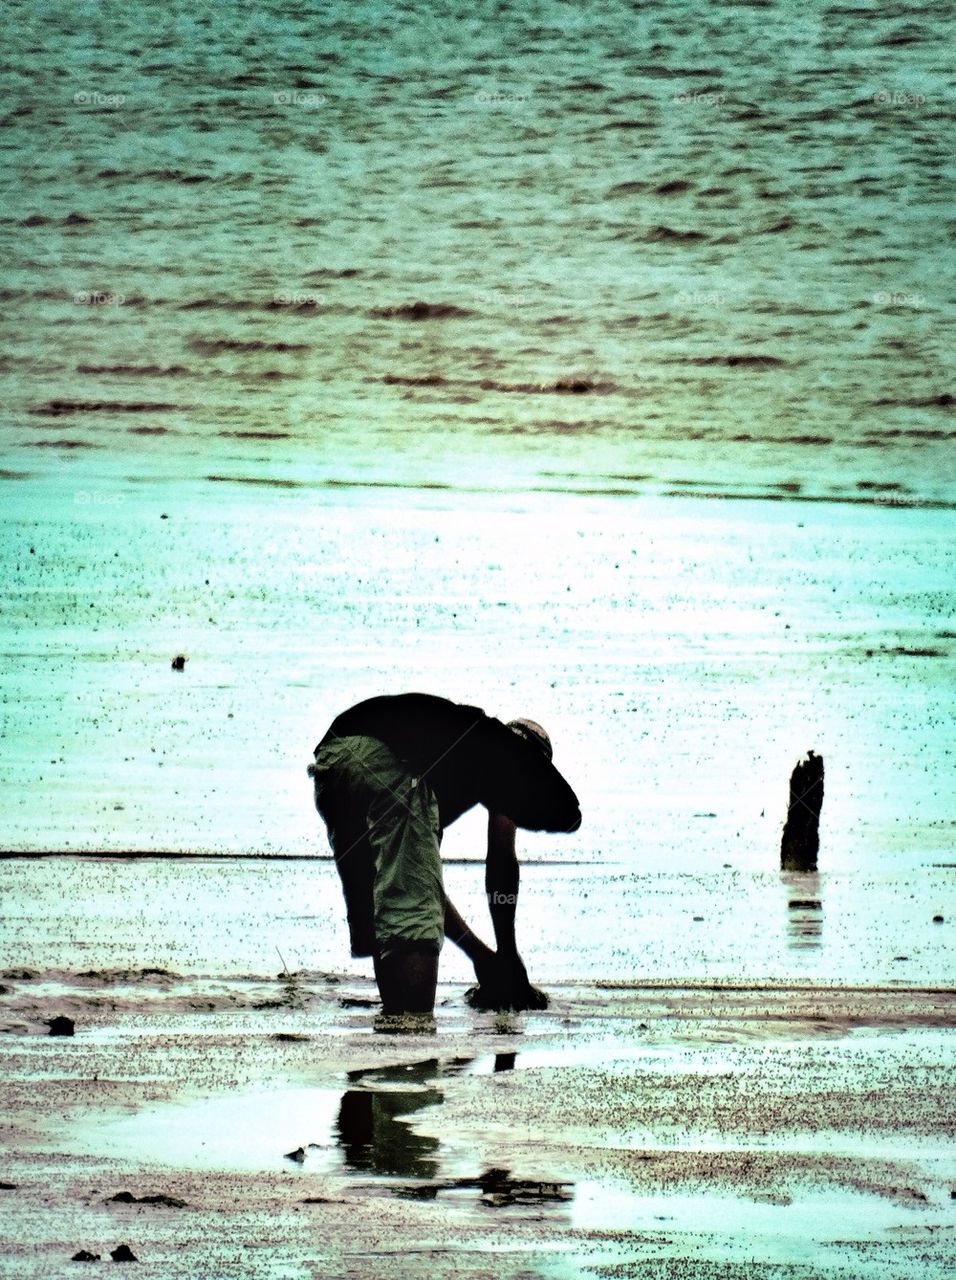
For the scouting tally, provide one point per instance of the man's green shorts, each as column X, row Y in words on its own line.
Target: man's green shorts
column 385, row 832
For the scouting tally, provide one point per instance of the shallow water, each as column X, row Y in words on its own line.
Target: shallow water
column 684, row 655
column 366, row 1124
column 202, row 922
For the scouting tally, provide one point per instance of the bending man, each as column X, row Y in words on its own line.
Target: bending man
column 390, row 775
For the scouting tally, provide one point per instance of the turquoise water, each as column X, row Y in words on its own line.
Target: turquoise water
column 674, row 248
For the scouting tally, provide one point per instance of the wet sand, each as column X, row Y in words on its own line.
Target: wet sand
column 260, row 1127
column 700, row 1121
column 683, row 653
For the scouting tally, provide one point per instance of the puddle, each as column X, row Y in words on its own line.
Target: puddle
column 245, row 1132
column 362, row 1129
column 366, row 1131
column 368, row 1127
column 810, row 1226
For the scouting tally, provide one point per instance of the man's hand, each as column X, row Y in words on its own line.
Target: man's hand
column 503, row 984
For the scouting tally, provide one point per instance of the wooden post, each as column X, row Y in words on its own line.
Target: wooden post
column 801, row 834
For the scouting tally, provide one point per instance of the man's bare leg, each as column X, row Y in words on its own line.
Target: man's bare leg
column 407, row 978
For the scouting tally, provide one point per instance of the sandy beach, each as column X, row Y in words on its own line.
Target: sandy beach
column 232, row 1127
column 743, row 1072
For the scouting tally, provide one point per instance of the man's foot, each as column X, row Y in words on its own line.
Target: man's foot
column 503, row 984
column 515, row 1000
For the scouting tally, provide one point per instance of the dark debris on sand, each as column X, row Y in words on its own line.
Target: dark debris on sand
column 127, row 1197
column 498, row 1189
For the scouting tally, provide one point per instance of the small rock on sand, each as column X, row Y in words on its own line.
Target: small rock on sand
column 61, row 1026
column 123, row 1253
column 179, row 662
column 84, row 1255
column 298, row 1155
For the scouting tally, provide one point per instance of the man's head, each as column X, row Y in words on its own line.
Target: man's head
column 532, row 732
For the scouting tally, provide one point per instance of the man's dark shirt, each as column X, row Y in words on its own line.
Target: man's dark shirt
column 467, row 757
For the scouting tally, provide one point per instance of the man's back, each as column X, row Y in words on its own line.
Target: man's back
column 468, row 758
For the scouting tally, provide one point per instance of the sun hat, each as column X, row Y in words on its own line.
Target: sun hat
column 531, row 731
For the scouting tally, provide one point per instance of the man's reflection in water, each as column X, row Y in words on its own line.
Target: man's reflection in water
column 804, row 892
column 370, row 1129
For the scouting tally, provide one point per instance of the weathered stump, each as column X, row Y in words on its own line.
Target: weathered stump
column 801, row 833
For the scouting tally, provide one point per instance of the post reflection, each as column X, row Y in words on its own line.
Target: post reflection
column 804, row 894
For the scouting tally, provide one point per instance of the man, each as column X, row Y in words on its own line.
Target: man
column 390, row 775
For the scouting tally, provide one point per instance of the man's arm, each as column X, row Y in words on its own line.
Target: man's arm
column 508, row 986
column 502, row 978
column 501, row 882
column 501, row 886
